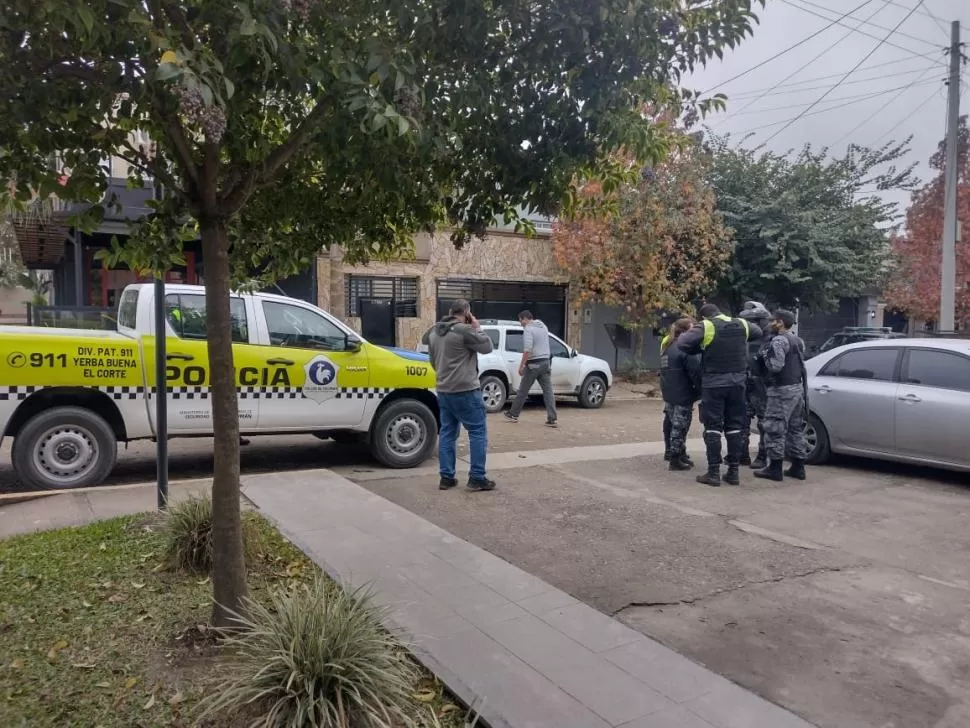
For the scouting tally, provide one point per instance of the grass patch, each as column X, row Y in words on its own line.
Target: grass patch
column 97, row 631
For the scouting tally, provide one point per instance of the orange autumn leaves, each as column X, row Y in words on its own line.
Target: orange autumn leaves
column 656, row 246
column 914, row 286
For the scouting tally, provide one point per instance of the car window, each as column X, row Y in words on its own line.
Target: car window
column 513, row 341
column 833, row 342
column 878, row 364
column 301, row 328
column 938, row 369
column 186, row 316
column 557, row 348
column 493, row 335
column 128, row 309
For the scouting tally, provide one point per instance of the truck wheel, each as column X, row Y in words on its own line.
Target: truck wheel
column 494, row 393
column 65, row 447
column 593, row 392
column 404, row 434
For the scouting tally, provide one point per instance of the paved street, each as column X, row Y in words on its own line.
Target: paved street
column 620, row 420
column 843, row 598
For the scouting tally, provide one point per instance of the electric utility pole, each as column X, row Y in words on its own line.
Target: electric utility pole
column 948, row 263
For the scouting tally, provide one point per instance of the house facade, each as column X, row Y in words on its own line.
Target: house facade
column 393, row 303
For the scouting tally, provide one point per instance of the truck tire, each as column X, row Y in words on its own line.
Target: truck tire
column 817, row 440
column 404, row 434
column 593, row 392
column 64, row 447
column 494, row 393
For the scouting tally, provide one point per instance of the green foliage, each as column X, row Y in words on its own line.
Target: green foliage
column 187, row 530
column 308, row 126
column 315, row 657
column 806, row 227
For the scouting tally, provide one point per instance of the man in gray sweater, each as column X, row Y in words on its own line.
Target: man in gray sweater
column 535, row 366
column 454, row 344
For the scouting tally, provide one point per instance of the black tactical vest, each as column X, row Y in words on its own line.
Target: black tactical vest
column 792, row 371
column 728, row 350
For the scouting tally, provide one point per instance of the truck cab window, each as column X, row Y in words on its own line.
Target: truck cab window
column 301, row 328
column 186, row 316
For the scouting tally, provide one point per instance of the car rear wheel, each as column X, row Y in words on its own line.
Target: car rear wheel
column 404, row 434
column 65, row 447
column 817, row 441
column 494, row 393
column 593, row 392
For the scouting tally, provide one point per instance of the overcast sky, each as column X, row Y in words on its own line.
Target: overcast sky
column 906, row 72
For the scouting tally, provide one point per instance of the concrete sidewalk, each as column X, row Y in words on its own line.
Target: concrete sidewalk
column 87, row 506
column 524, row 653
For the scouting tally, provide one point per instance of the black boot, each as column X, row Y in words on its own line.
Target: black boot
column 712, row 477
column 797, row 470
column 759, row 462
column 712, row 442
column 771, row 472
column 733, row 475
column 745, row 458
column 680, row 462
column 667, row 454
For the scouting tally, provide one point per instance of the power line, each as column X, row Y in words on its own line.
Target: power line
column 850, row 72
column 928, row 13
column 805, row 114
column 874, row 114
column 779, row 92
column 897, row 61
column 853, row 97
column 860, row 32
column 786, row 50
column 866, row 21
column 803, row 66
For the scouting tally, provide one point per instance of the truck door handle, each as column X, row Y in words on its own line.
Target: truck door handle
column 824, row 389
column 910, row 398
column 181, row 357
column 280, row 362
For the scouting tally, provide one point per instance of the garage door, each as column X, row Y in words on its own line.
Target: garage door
column 505, row 299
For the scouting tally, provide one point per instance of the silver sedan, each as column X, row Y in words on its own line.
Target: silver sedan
column 906, row 400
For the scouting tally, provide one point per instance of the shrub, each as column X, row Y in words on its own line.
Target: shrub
column 318, row 657
column 188, row 534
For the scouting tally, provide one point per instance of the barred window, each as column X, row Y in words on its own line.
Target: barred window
column 402, row 292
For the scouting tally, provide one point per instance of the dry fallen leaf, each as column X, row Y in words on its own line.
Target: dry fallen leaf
column 175, row 699
column 116, row 599
column 130, row 683
column 83, row 666
column 203, row 582
column 103, row 546
column 86, row 604
column 425, row 696
column 17, row 664
column 55, row 648
column 137, row 585
column 143, row 617
column 103, row 685
column 150, row 704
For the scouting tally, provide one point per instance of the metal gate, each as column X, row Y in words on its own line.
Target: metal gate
column 505, row 299
column 377, row 321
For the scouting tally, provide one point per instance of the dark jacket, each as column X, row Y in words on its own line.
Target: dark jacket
column 680, row 376
column 453, row 347
column 783, row 360
column 723, row 341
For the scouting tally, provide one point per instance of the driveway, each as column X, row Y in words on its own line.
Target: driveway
column 844, row 598
column 618, row 421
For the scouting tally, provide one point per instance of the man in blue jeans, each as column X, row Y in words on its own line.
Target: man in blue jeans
column 454, row 345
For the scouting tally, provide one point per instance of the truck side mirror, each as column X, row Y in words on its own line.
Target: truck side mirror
column 351, row 343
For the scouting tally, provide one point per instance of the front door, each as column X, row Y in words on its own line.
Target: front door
column 187, row 364
column 855, row 395
column 565, row 369
column 933, row 407
column 377, row 321
column 320, row 373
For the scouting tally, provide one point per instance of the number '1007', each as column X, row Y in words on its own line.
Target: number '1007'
column 416, row 371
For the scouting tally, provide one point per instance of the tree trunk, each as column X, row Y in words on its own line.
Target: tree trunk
column 228, row 561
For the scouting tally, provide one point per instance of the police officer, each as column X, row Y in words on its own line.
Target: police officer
column 667, row 424
column 755, row 392
column 785, row 410
column 680, row 383
column 723, row 344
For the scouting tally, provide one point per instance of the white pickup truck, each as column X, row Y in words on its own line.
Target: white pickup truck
column 68, row 397
column 585, row 377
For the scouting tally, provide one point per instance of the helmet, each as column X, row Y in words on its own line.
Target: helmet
column 754, row 311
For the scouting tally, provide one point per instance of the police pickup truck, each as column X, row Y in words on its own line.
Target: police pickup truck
column 68, row 397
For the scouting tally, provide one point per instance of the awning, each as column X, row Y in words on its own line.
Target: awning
column 41, row 242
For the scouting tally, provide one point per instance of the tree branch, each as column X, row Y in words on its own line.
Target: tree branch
column 260, row 175
column 143, row 162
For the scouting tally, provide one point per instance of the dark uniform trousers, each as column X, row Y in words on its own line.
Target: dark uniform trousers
column 724, row 411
